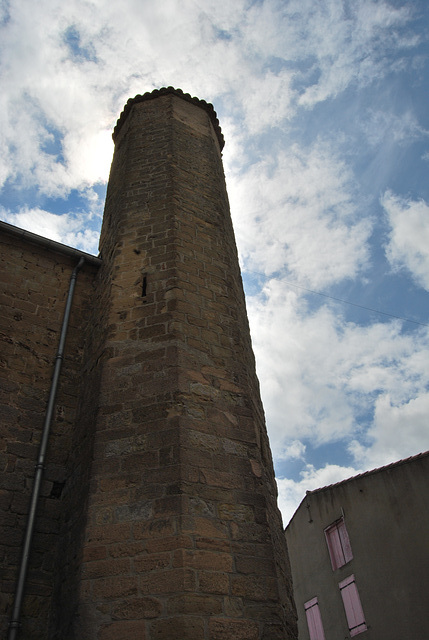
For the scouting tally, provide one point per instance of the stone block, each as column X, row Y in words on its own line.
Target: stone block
column 213, row 582
column 129, row 629
column 152, row 562
column 178, row 628
column 137, row 608
column 195, row 604
column 158, row 430
column 168, row 581
column 112, row 588
column 221, row 629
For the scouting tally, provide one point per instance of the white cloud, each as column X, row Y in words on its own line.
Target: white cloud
column 69, row 68
column 45, row 94
column 297, row 214
column 69, row 229
column 391, row 128
column 350, row 44
column 291, row 492
column 321, row 378
column 295, row 450
column 297, row 358
column 399, row 431
column 267, row 100
column 409, row 236
column 48, row 85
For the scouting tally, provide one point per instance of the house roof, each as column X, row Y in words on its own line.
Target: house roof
column 47, row 243
column 371, row 472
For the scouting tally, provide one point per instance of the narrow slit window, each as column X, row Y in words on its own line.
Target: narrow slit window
column 144, row 286
column 314, row 620
column 337, row 539
column 352, row 606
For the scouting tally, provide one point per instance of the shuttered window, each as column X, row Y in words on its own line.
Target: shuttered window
column 352, row 606
column 314, row 620
column 338, row 543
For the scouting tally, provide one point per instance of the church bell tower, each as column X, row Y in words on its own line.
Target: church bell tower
column 183, row 538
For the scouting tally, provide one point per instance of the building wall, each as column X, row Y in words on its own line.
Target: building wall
column 387, row 518
column 168, row 525
column 34, row 285
column 184, row 537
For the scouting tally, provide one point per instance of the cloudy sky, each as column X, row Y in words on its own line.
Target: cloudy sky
column 324, row 107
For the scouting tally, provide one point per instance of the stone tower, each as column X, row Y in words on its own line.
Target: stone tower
column 173, row 531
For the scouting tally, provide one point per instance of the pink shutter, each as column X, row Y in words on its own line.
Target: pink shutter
column 338, row 542
column 334, row 547
column 352, row 606
column 344, row 541
column 314, row 620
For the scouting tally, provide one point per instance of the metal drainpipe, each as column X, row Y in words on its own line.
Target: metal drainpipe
column 14, row 623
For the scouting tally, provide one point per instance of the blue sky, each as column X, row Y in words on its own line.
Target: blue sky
column 324, row 108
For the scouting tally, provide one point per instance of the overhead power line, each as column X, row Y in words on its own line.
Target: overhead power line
column 352, row 304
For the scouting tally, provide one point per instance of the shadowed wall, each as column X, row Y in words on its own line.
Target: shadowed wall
column 182, row 537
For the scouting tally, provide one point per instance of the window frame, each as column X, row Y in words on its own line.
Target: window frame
column 352, row 606
column 314, row 619
column 338, row 542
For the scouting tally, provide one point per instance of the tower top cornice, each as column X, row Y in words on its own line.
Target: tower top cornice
column 156, row 93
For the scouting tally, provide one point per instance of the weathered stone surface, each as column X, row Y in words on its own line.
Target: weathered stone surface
column 168, row 526
column 33, row 287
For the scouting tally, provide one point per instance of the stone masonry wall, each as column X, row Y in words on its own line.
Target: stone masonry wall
column 158, row 518
column 33, row 287
column 183, row 538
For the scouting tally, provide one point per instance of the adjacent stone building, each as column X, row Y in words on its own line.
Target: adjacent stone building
column 359, row 553
column 157, row 516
